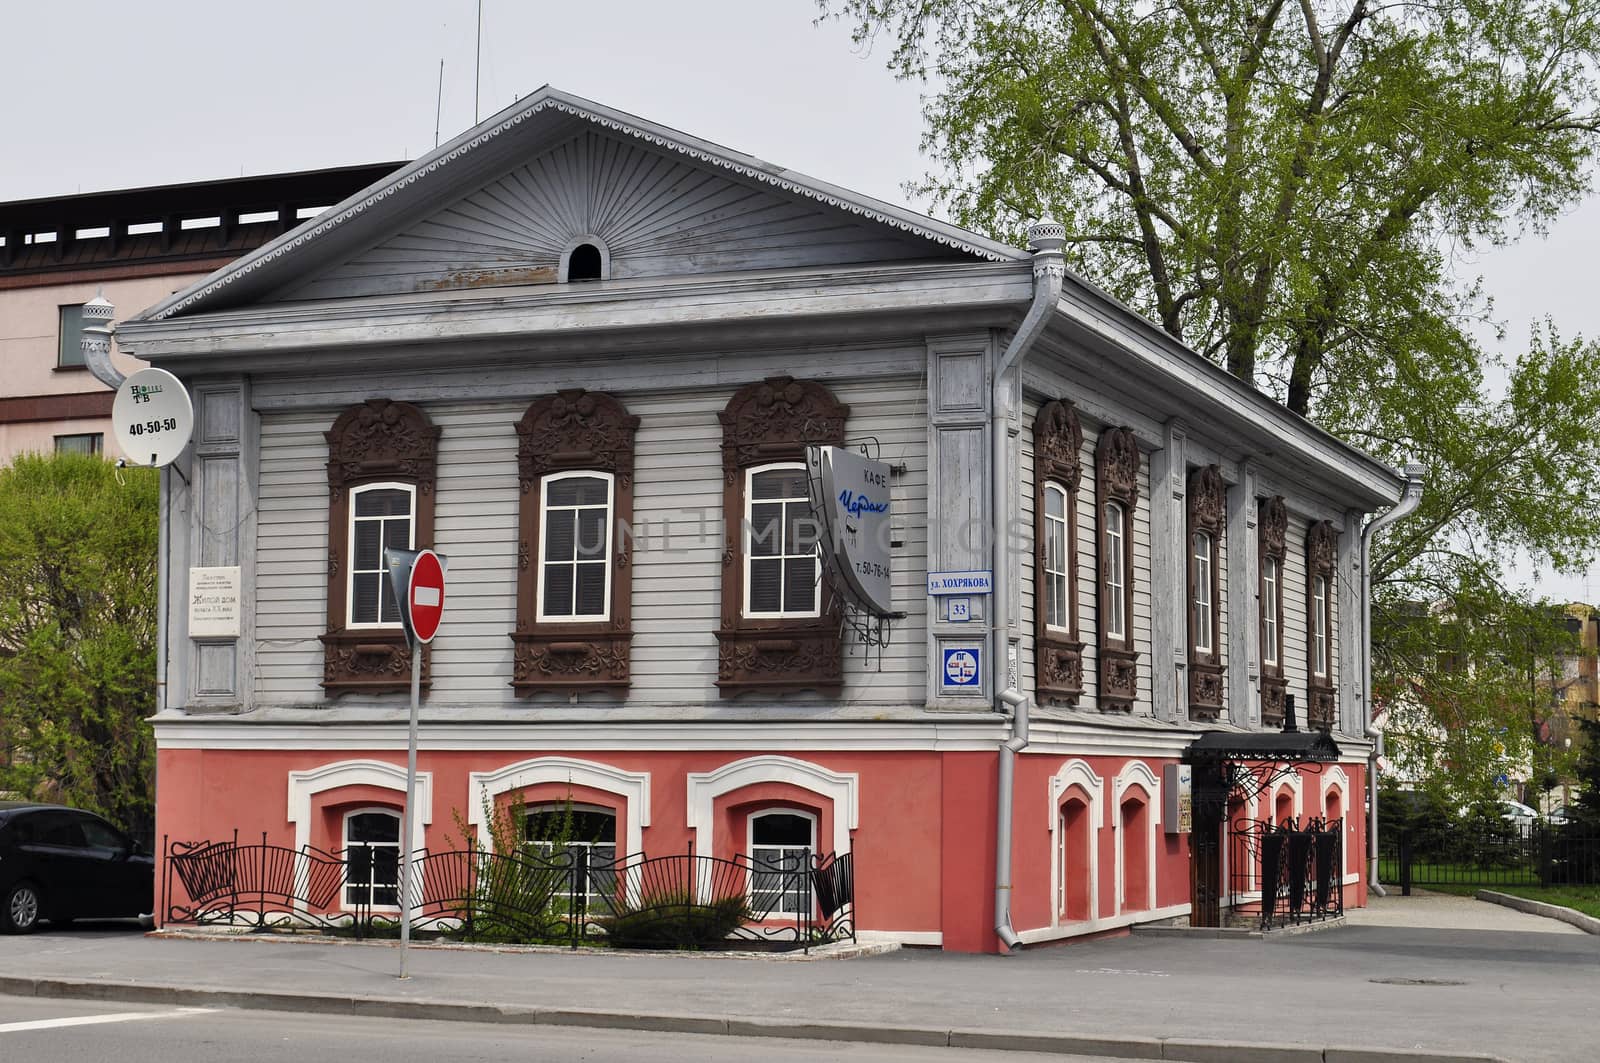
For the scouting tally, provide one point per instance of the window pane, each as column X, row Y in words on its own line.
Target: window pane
column 364, row 598
column 70, row 350
column 766, row 583
column 367, row 535
column 87, row 443
column 800, row 585
column 100, row 836
column 1055, row 502
column 373, row 827
column 558, row 590
column 780, row 828
column 560, row 535
column 592, row 533
column 386, row 502
column 391, row 605
column 578, row 491
column 1056, row 603
column 800, row 531
column 766, row 530
column 397, row 534
column 778, row 483
column 591, row 589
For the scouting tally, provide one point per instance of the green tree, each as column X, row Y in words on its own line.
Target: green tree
column 78, row 633
column 1284, row 187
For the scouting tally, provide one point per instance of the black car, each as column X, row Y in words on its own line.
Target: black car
column 62, row 864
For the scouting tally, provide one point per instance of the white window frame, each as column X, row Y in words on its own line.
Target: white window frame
column 1271, row 578
column 344, row 839
column 1053, row 526
column 1116, row 564
column 544, row 524
column 779, row 911
column 747, row 535
column 383, row 570
column 1319, row 625
column 1204, row 608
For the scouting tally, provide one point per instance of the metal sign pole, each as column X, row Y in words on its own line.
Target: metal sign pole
column 406, row 819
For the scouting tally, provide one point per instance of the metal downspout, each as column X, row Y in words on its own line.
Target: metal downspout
column 1410, row 499
column 96, row 347
column 1045, row 238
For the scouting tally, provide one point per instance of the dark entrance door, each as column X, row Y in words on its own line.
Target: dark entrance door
column 1205, row 845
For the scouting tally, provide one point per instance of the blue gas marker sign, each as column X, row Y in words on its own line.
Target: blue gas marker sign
column 961, row 668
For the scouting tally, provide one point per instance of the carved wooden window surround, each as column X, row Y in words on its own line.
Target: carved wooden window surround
column 570, row 432
column 1272, row 533
column 1117, row 481
column 1207, row 522
column 1057, row 441
column 1322, row 553
column 373, row 442
column 768, row 423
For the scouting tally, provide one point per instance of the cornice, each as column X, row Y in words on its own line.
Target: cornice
column 762, row 299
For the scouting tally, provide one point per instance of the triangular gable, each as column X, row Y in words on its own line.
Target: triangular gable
column 500, row 203
column 654, row 213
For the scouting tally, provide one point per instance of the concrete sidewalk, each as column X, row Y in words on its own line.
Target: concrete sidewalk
column 1352, row 994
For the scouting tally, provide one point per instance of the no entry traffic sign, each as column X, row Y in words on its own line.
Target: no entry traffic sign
column 425, row 595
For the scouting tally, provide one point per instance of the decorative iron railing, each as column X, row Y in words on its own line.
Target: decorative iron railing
column 1281, row 874
column 1488, row 851
column 566, row 897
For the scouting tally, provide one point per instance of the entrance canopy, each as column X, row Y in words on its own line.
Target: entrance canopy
column 1294, row 747
column 1244, row 763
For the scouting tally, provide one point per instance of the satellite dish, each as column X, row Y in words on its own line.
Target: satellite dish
column 152, row 417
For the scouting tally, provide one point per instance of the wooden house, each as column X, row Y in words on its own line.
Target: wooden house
column 581, row 355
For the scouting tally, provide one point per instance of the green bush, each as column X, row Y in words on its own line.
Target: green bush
column 675, row 919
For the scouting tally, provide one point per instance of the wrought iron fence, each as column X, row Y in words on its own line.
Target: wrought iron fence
column 568, row 896
column 1481, row 852
column 1281, row 874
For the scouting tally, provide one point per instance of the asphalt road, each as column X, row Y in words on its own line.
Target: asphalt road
column 58, row 1031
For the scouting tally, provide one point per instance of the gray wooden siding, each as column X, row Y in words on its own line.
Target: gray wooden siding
column 677, row 560
column 1142, row 589
column 1027, row 596
column 656, row 213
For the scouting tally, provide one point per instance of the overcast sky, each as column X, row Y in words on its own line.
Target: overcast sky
column 100, row 94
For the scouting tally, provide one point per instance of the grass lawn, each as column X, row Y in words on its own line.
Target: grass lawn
column 1585, row 899
column 1456, row 878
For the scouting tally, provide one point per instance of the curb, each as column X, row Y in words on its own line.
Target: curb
column 836, row 951
column 1119, row 1047
column 1587, row 923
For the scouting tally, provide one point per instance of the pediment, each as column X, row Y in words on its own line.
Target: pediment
column 502, row 204
column 651, row 214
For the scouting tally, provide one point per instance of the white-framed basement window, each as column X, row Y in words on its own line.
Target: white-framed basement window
column 382, row 517
column 781, row 843
column 589, row 834
column 372, row 858
column 575, row 530
column 782, row 574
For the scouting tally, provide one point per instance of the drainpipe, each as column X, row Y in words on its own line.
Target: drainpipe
column 1410, row 499
column 1046, row 239
column 96, row 342
column 96, row 347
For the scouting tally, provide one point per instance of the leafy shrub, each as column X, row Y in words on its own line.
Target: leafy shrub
column 675, row 919
column 520, row 896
